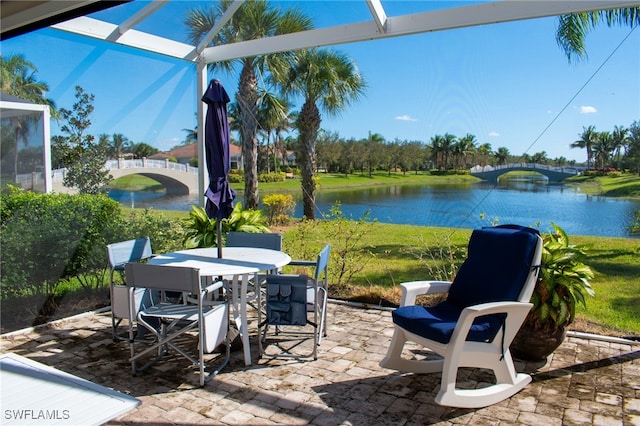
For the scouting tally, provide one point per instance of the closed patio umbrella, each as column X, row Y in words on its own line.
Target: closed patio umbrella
column 219, row 194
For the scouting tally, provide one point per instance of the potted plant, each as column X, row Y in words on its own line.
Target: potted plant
column 563, row 282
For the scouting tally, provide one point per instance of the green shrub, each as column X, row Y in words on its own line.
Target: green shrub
column 272, row 177
column 278, row 208
column 235, row 176
column 47, row 238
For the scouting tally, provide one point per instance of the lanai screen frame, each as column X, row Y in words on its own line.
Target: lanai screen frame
column 379, row 27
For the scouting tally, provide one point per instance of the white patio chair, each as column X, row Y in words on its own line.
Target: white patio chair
column 298, row 300
column 209, row 319
column 486, row 304
column 123, row 299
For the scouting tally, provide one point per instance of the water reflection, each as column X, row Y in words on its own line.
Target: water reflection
column 519, row 200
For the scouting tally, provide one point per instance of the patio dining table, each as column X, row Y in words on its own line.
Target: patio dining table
column 236, row 262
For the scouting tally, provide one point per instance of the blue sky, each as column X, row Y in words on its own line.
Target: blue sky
column 508, row 84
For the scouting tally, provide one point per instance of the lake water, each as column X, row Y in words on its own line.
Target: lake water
column 525, row 201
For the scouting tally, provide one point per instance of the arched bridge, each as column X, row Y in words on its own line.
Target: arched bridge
column 180, row 179
column 555, row 174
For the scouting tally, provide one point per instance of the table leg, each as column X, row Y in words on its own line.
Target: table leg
column 239, row 290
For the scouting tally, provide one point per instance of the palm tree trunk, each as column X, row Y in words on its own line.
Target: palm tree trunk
column 248, row 106
column 308, row 125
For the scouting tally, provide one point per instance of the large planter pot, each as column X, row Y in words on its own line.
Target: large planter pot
column 531, row 344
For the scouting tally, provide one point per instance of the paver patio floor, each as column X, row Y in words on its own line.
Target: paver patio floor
column 583, row 382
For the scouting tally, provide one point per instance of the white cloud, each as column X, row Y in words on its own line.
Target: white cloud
column 405, row 117
column 494, row 134
column 587, row 109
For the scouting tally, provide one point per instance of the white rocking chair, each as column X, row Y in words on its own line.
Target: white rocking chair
column 487, row 303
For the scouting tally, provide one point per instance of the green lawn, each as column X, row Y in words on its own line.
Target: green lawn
column 399, row 253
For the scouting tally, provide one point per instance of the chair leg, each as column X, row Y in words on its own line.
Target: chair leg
column 394, row 360
column 508, row 381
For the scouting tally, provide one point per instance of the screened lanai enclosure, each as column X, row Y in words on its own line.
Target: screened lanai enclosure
column 25, row 152
column 137, row 31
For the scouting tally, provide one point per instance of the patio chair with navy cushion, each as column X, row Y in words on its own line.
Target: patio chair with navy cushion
column 266, row 240
column 487, row 302
column 294, row 301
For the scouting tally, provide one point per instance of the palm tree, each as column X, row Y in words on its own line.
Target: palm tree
column 483, row 151
column 586, row 141
column 448, row 142
column 633, row 150
column 436, row 150
column 119, row 144
column 253, row 20
column 572, row 29
column 464, row 146
column 603, row 148
column 324, row 78
column 271, row 113
column 620, row 140
column 501, row 155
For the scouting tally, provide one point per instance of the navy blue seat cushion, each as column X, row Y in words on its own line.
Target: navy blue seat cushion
column 437, row 322
column 498, row 262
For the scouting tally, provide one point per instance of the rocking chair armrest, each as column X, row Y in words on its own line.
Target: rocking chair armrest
column 516, row 314
column 412, row 289
column 495, row 308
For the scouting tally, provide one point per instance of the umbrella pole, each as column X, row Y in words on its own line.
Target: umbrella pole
column 219, row 231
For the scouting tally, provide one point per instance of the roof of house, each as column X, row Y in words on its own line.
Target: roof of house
column 191, row 151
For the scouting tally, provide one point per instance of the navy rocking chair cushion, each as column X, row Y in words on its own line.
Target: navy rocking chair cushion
column 497, row 265
column 496, row 268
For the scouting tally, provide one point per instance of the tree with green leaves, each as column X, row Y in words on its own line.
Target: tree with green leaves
column 83, row 158
column 632, row 156
column 572, row 29
column 501, row 155
column 326, row 80
column 253, row 20
column 142, row 150
column 587, row 139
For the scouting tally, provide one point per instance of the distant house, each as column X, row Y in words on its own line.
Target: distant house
column 184, row 154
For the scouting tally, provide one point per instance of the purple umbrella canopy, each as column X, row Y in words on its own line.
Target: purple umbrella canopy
column 219, row 194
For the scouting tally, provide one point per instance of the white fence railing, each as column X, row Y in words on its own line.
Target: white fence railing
column 568, row 170
column 143, row 163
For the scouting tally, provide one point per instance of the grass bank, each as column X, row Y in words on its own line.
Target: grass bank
column 624, row 186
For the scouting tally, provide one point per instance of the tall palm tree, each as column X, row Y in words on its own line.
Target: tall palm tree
column 324, row 79
column 271, row 112
column 603, row 148
column 253, row 20
column 572, row 29
column 437, row 150
column 464, row 146
column 119, row 144
column 620, row 141
column 483, row 151
column 501, row 155
column 448, row 142
column 587, row 138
